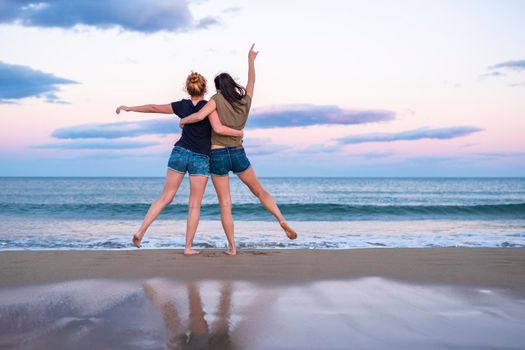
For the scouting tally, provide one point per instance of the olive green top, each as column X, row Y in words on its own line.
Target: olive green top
column 230, row 117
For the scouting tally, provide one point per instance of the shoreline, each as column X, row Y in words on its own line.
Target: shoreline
column 500, row 268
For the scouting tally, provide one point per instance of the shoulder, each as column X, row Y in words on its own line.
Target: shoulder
column 247, row 100
column 180, row 106
column 184, row 100
column 179, row 103
column 200, row 104
column 217, row 96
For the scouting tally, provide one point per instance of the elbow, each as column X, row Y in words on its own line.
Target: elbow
column 219, row 130
column 147, row 109
column 153, row 109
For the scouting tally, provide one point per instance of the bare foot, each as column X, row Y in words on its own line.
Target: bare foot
column 150, row 291
column 288, row 230
column 178, row 341
column 137, row 241
column 190, row 252
column 231, row 252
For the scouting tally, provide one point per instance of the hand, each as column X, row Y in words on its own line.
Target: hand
column 181, row 124
column 252, row 54
column 122, row 108
column 242, row 133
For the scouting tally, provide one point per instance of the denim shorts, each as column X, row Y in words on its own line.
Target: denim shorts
column 224, row 160
column 182, row 160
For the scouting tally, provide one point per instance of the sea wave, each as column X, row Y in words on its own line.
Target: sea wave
column 219, row 242
column 294, row 211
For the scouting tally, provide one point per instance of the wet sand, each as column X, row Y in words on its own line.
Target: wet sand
column 502, row 268
column 435, row 298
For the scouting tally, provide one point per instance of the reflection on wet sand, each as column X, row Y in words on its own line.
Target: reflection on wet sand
column 200, row 336
column 367, row 313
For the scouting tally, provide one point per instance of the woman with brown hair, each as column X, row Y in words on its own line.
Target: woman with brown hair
column 233, row 102
column 190, row 154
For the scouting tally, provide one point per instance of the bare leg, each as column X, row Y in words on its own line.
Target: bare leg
column 222, row 187
column 221, row 326
column 173, row 322
column 173, row 181
column 198, row 324
column 250, row 179
column 197, row 188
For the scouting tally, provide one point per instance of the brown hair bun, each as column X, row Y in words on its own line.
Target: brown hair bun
column 196, row 84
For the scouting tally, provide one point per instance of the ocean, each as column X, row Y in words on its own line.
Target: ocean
column 328, row 213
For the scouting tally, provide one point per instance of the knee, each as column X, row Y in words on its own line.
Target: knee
column 194, row 205
column 225, row 204
column 166, row 198
column 259, row 192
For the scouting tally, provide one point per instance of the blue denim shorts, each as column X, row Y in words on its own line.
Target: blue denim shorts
column 182, row 160
column 224, row 160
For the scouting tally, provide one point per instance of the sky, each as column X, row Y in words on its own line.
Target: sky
column 344, row 88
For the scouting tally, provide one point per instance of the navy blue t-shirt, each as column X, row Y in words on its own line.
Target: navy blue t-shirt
column 197, row 136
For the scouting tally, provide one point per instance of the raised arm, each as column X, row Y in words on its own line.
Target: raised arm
column 200, row 115
column 166, row 109
column 221, row 129
column 251, row 71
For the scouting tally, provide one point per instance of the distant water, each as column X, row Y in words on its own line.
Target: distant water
column 85, row 213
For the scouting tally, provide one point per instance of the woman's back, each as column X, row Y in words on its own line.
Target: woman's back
column 195, row 137
column 234, row 117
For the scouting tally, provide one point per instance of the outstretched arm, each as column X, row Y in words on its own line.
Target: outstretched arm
column 166, row 109
column 221, row 129
column 251, row 71
column 200, row 115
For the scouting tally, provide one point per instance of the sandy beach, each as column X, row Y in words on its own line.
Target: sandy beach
column 477, row 267
column 265, row 299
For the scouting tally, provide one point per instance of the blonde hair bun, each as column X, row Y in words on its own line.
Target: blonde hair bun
column 196, row 84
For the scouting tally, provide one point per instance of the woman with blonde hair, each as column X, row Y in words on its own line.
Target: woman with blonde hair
column 190, row 154
column 233, row 102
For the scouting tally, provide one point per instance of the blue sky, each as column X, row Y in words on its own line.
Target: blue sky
column 344, row 88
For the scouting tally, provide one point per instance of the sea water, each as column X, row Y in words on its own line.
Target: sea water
column 332, row 213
